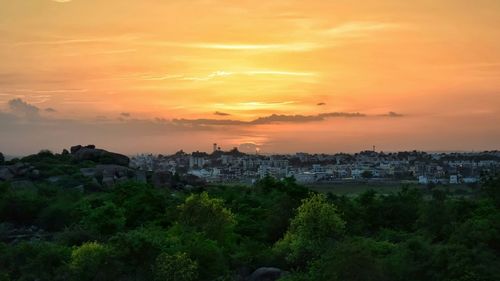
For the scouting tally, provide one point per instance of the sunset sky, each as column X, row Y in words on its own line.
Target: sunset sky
column 276, row 75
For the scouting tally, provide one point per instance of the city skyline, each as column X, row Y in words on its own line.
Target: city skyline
column 280, row 77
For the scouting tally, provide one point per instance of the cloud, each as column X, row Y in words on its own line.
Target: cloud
column 392, row 114
column 248, row 147
column 62, row 1
column 125, row 114
column 53, row 91
column 221, row 113
column 224, row 74
column 358, row 29
column 73, row 41
column 274, row 118
column 208, row 122
column 290, row 46
column 23, row 109
column 320, row 104
column 50, row 110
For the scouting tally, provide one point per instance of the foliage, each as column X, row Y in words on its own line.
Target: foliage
column 176, row 267
column 317, row 223
column 207, row 215
column 89, row 262
column 52, row 231
column 106, row 219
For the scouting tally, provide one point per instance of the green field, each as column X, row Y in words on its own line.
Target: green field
column 383, row 188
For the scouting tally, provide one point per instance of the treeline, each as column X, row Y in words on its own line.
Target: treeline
column 136, row 232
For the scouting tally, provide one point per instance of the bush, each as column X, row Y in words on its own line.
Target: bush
column 176, row 267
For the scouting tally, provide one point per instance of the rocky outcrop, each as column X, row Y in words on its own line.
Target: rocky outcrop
column 165, row 179
column 266, row 274
column 109, row 175
column 91, row 153
column 5, row 173
column 11, row 234
column 18, row 170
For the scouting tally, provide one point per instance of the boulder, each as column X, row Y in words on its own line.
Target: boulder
column 18, row 184
column 111, row 174
column 266, row 274
column 88, row 172
column 17, row 170
column 75, row 148
column 21, row 169
column 5, row 173
column 91, row 153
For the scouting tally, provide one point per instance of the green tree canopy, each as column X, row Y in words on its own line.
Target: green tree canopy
column 208, row 215
column 89, row 262
column 175, row 267
column 316, row 224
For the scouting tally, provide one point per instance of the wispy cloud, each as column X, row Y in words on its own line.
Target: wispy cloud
column 54, row 91
column 279, row 73
column 72, row 41
column 223, row 74
column 294, row 47
column 251, row 105
column 358, row 29
column 109, row 52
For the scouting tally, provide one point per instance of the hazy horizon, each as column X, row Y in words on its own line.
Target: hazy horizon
column 281, row 77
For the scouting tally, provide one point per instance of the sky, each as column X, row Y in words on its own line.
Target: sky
column 275, row 76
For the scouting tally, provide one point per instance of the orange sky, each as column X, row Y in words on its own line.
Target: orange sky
column 158, row 75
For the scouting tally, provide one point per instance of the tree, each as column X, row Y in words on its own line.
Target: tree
column 104, row 220
column 34, row 260
column 208, row 215
column 89, row 262
column 209, row 255
column 316, row 225
column 2, row 158
column 353, row 259
column 176, row 267
column 140, row 202
column 491, row 187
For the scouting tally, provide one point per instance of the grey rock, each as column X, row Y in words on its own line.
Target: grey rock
column 88, row 172
column 266, row 274
column 22, row 184
column 5, row 173
column 108, row 180
column 100, row 155
column 54, row 179
column 75, row 148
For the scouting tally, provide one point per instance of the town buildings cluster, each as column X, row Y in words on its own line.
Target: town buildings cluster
column 412, row 166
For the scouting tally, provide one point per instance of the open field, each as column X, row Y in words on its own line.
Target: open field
column 352, row 188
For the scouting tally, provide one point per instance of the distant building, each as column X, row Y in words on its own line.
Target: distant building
column 453, row 179
column 423, row 180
